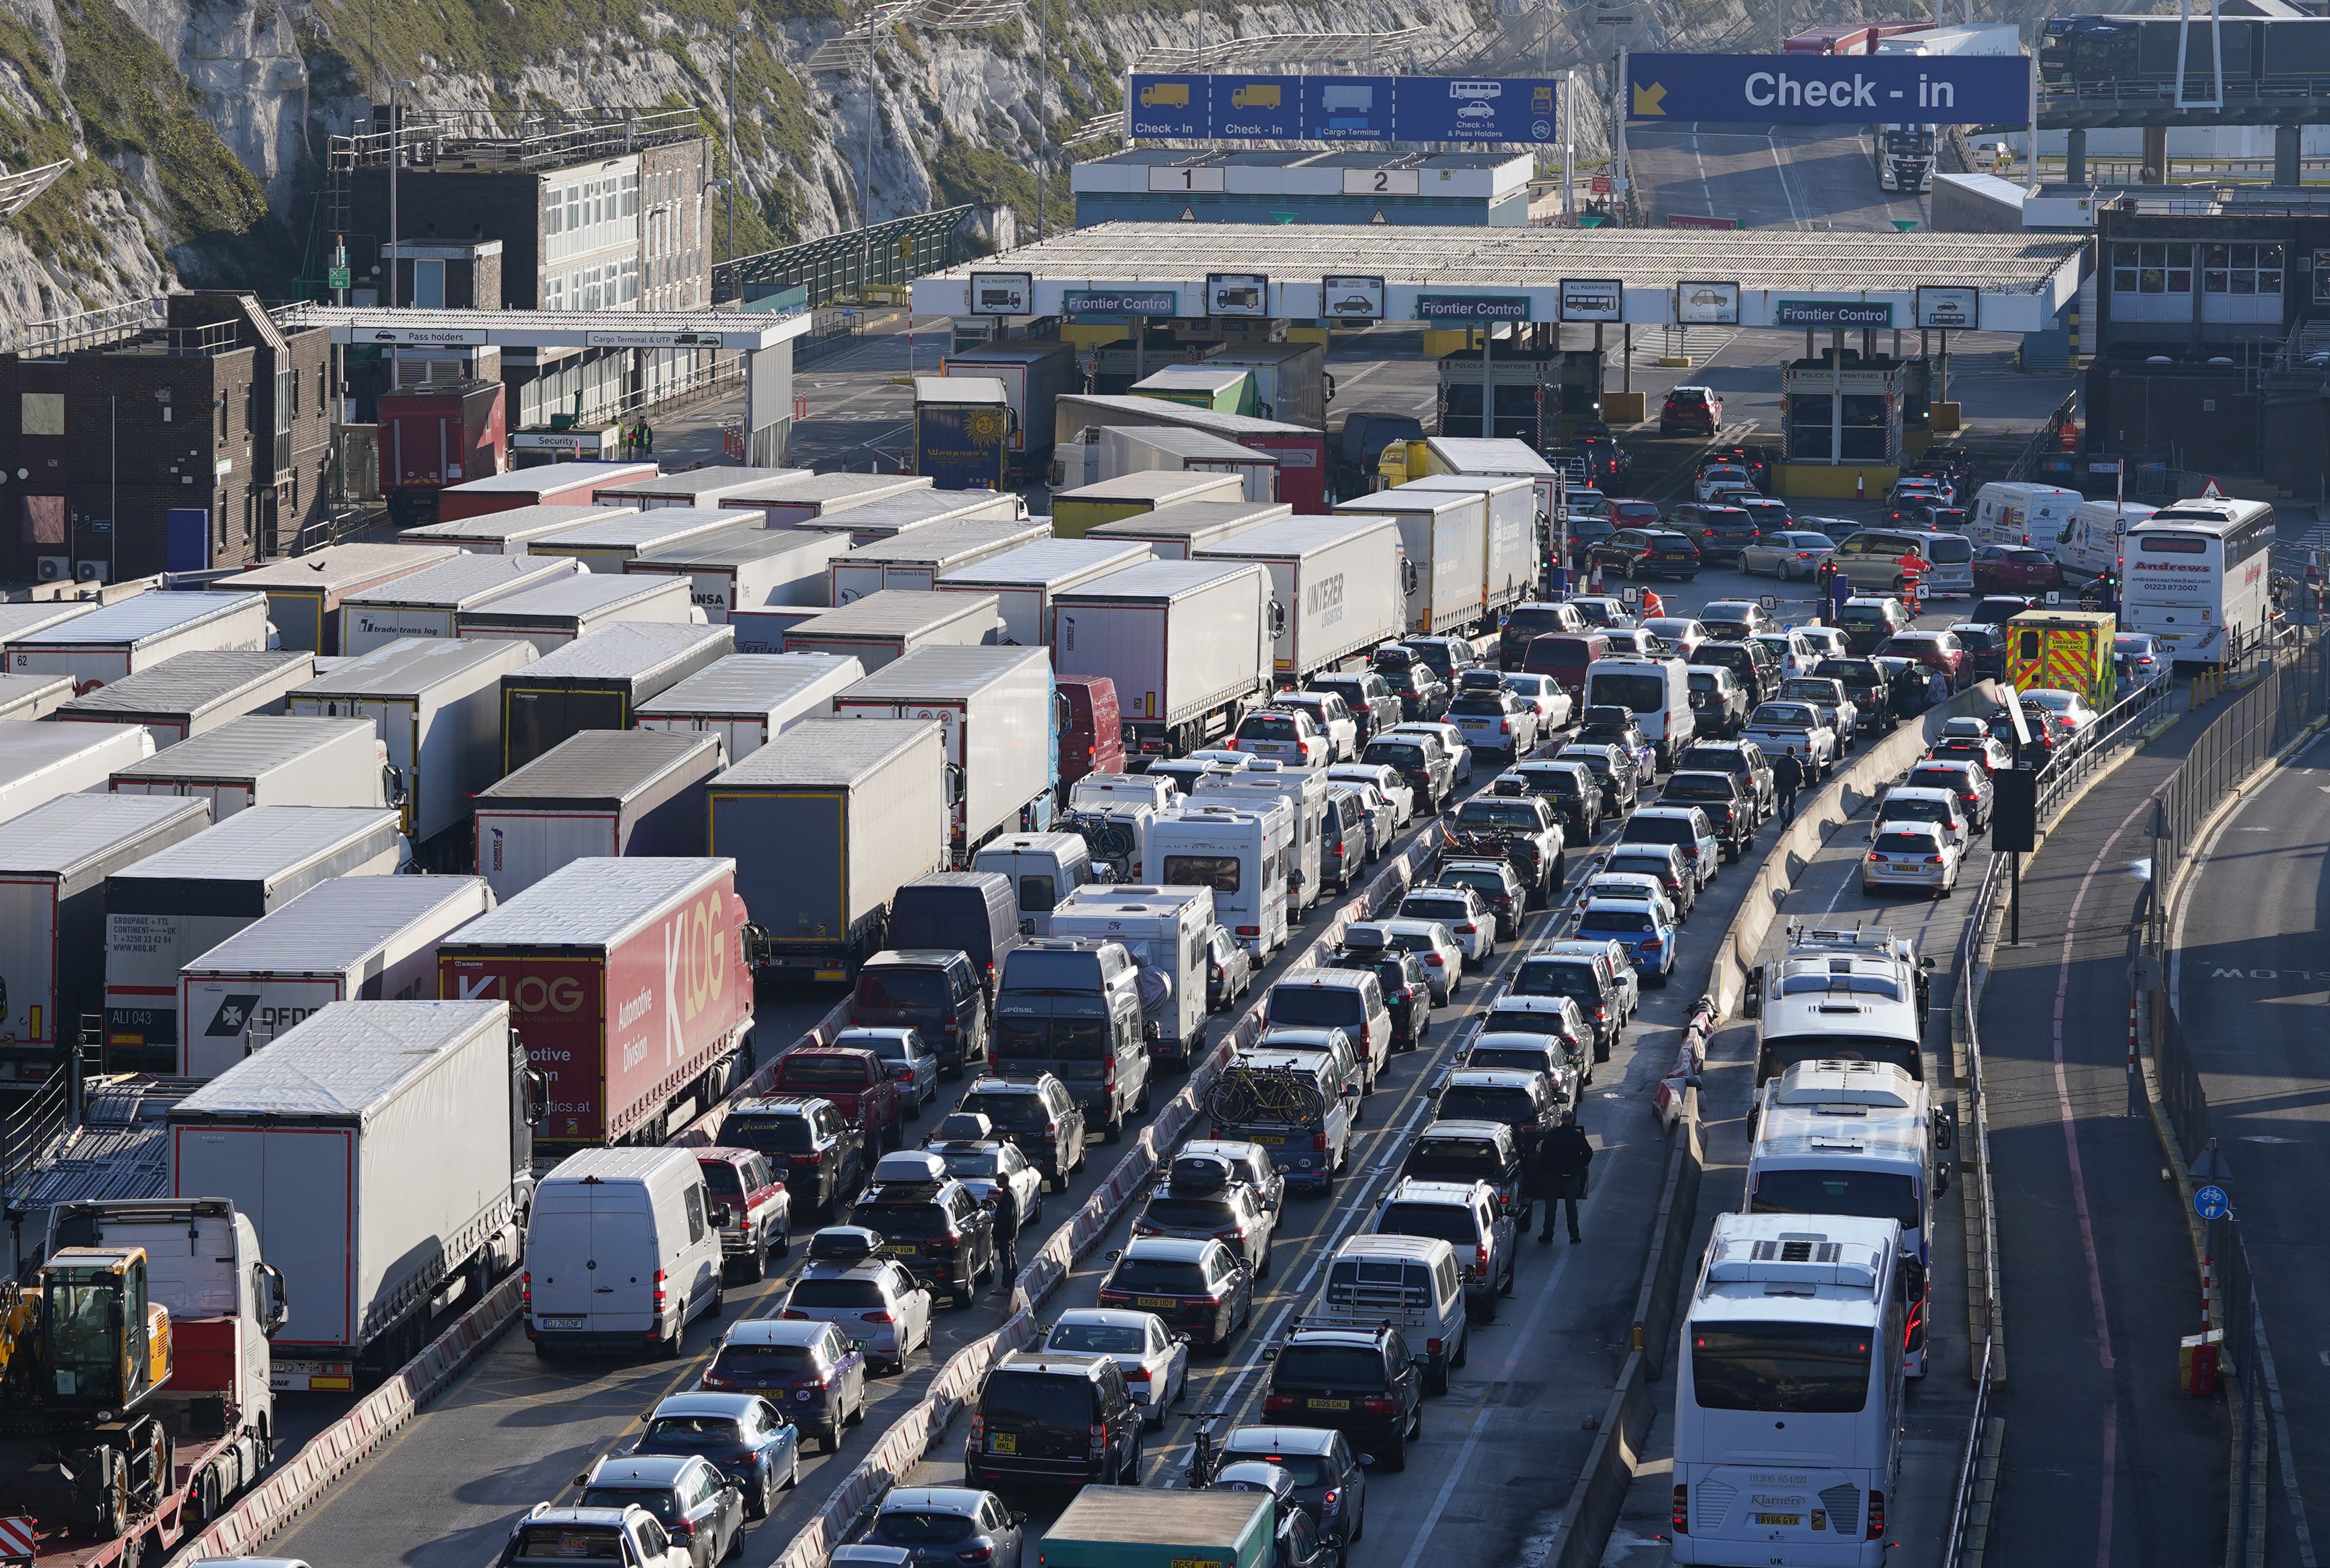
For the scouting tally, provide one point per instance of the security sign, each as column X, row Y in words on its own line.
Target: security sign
column 1237, row 294
column 1945, row 306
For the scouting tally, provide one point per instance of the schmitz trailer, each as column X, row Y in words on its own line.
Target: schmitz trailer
column 1445, row 536
column 556, row 613
column 918, row 558
column 628, row 983
column 1024, row 579
column 1335, row 582
column 136, row 634
column 1509, row 552
column 605, row 792
column 995, row 708
column 609, row 544
column 384, row 1151
column 40, row 762
column 889, row 624
column 1186, row 642
column 429, row 602
column 748, row 567
column 598, row 682
column 1185, row 528
column 194, row 692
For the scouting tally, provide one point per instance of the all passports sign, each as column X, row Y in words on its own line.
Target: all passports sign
column 1831, row 89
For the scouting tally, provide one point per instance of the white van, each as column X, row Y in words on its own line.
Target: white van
column 1412, row 1282
column 1350, row 1000
column 1044, row 869
column 2090, row 541
column 1659, row 693
column 1240, row 851
column 2004, row 513
column 1163, row 930
column 620, row 1253
column 1304, row 791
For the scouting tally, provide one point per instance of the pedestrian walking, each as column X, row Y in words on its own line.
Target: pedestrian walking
column 1006, row 1244
column 1563, row 1155
column 1787, row 778
column 1908, row 692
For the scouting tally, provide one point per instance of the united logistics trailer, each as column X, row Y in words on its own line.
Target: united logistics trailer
column 605, row 793
column 809, row 498
column 267, row 760
column 39, row 762
column 690, row 486
column 1302, row 450
column 1078, row 511
column 918, row 558
column 826, row 823
column 628, row 982
column 555, row 613
column 610, row 544
column 994, row 705
column 1445, row 538
column 34, row 696
column 745, row 566
column 1335, row 582
column 53, row 863
column 890, row 623
column 369, row 938
column 436, row 705
column 597, row 683
column 1509, row 552
column 1165, row 450
column 963, row 426
column 1174, row 533
column 1033, row 375
column 429, row 602
column 138, row 633
column 506, row 532
column 1186, row 642
column 171, row 908
column 544, row 485
column 194, row 692
column 304, row 594
column 1023, row 579
column 382, row 1151
column 1487, row 456
column 748, row 700
column 430, row 437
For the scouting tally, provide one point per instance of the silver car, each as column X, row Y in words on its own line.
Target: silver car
column 905, row 1057
column 1786, row 554
column 1385, row 782
column 870, row 1298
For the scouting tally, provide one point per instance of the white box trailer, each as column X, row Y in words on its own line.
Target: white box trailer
column 1163, row 930
column 304, row 593
column 429, row 602
column 1023, row 579
column 381, row 1151
column 1165, row 449
column 1511, row 557
column 1336, row 583
column 907, row 509
column 691, row 487
column 919, row 557
column 555, row 613
column 1444, row 537
column 369, row 938
column 1495, row 457
column 53, row 863
column 24, row 618
column 603, row 793
column 540, row 485
column 194, row 692
column 34, row 696
column 893, row 623
column 824, row 824
column 994, row 705
column 171, row 908
column 1186, row 642
column 138, row 633
column 748, row 700
column 507, row 533
column 609, row 545
column 268, row 761
column 598, row 682
column 1290, row 379
column 746, row 566
column 817, row 500
column 39, row 762
column 436, row 705
column 1177, row 531
column 762, row 630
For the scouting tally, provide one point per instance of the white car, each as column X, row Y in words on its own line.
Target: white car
column 1633, row 887
column 1939, row 807
column 1381, row 816
column 2068, row 706
column 1796, row 652
column 992, row 1168
column 1719, row 477
column 1544, row 694
column 871, row 1299
column 1827, row 640
column 1452, row 740
column 1494, row 720
column 1462, row 910
column 1798, row 728
column 1290, row 735
column 1385, row 782
column 1917, row 854
column 1434, row 943
column 1154, row 1359
column 1332, row 714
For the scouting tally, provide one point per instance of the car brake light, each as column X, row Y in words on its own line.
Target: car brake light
column 1249, row 930
column 794, row 1313
column 1376, row 1404
column 1681, row 1519
column 977, row 1431
column 1435, row 960
column 1933, row 860
column 1138, row 1374
column 1481, row 1262
column 1433, row 1346
column 682, row 1529
column 1654, row 945
column 1099, row 1438
column 876, row 1317
column 975, row 1555
column 525, row 1292
column 1273, row 1404
column 1319, row 1139
column 1468, row 930
column 1876, row 1515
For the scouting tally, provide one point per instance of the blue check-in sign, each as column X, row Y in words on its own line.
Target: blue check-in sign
column 1829, row 89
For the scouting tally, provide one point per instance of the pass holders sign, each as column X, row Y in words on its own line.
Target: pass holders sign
column 1593, row 299
column 1852, row 313
column 1120, row 303
column 1949, row 306
column 1471, row 307
column 1829, row 89
column 1344, row 297
column 1706, row 304
column 1002, row 293
column 1432, row 108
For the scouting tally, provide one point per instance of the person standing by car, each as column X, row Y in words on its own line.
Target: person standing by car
column 1787, row 778
column 1938, row 689
column 1563, row 1156
column 1908, row 692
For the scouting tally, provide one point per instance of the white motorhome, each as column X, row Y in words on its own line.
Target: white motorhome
column 1163, row 930
column 1237, row 848
column 1304, row 791
column 1044, row 868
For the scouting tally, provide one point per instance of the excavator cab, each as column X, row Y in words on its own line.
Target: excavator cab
column 105, row 1347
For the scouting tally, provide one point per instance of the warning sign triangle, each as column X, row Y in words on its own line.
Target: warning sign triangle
column 2210, row 492
column 1378, row 217
column 1188, row 214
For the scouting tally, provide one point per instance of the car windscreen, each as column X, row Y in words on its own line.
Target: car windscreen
column 767, row 1134
column 1007, row 1110
column 1863, row 615
column 1208, row 1214
column 835, row 1293
column 1159, row 1276
column 918, row 1219
column 1397, row 754
column 1491, row 883
column 567, row 1543
column 1643, row 694
column 1626, row 922
column 1526, row 1059
column 766, row 1360
column 889, row 987
column 977, row 1164
column 1645, row 829
column 1318, row 1006
column 1703, row 682
column 1782, row 716
column 1486, row 1102
column 1098, row 1339
column 1917, row 811
column 1544, row 781
column 1049, row 970
column 1643, row 862
column 1949, row 552
column 1480, row 704
column 1269, row 727
column 1527, row 622
column 1017, row 1400
column 1907, row 844
column 656, row 1500
column 807, row 1067
column 1417, row 906
column 1782, row 1368
column 1441, row 1154
column 1869, row 1194
column 1354, row 1366
column 1950, row 779
column 1701, row 787
column 1576, row 981
column 1448, row 1221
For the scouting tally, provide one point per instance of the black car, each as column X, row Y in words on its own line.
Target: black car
column 1199, row 1288
column 1718, row 702
column 939, row 1232
column 1039, row 1115
column 1771, row 515
column 1449, row 656
column 1725, row 801
column 1720, row 531
column 1362, row 1382
column 1998, row 609
column 1986, row 648
column 1869, row 687
column 1422, row 694
column 1569, row 788
column 1755, row 461
column 1740, row 659
column 746, row 1437
column 1473, row 1151
column 823, row 1155
column 1406, row 991
column 1743, row 759
column 1374, row 705
column 812, row 1369
column 1694, row 410
column 1494, row 881
column 1611, row 770
column 1609, row 725
column 1607, row 462
column 1420, row 763
column 935, row 993
column 1524, row 621
column 1578, row 976
column 1051, row 1417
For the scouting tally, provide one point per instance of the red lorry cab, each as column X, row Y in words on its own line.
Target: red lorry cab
column 1093, row 740
column 432, row 437
column 855, row 1081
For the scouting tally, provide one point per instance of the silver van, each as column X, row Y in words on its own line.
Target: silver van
column 1072, row 1007
column 1292, row 1103
column 1350, row 1000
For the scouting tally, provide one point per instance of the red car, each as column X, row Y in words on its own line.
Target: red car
column 858, row 1083
column 2015, row 569
column 1632, row 514
column 750, row 1206
column 1935, row 650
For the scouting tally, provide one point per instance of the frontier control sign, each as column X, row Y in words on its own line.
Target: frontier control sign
column 1833, row 90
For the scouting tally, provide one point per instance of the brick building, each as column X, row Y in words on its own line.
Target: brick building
column 200, row 441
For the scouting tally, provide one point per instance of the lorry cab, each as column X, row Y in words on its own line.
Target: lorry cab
column 1044, row 869
column 1071, row 1006
column 620, row 1253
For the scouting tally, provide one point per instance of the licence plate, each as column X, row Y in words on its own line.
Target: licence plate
column 1002, row 1442
column 1330, row 1404
column 832, row 974
column 1265, row 1138
column 558, row 1322
column 1779, row 1518
column 900, row 1249
column 1167, row 1303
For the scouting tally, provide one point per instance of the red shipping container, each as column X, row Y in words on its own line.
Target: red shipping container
column 544, row 485
column 627, row 982
column 435, row 436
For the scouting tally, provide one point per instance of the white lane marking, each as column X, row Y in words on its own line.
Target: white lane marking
column 1779, row 167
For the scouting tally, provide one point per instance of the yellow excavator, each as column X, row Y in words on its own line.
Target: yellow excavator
column 81, row 1352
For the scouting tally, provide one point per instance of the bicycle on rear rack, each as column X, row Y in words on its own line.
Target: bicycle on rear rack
column 1204, row 1458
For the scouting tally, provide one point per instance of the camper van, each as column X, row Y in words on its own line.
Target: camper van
column 1163, row 930
column 1237, row 849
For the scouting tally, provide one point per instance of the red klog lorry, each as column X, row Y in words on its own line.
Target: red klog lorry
column 627, row 981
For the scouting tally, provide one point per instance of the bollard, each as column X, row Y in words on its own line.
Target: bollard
column 2196, row 1363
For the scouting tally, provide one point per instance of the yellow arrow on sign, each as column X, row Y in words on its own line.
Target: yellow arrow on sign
column 1650, row 99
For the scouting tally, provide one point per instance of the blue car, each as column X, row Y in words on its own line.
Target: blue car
column 747, row 1439
column 1649, row 941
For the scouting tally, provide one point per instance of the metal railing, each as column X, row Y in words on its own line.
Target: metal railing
column 1969, row 1467
column 896, row 251
column 2048, row 440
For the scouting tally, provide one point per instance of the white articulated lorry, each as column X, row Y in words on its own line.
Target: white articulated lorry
column 1186, row 642
column 1336, row 583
